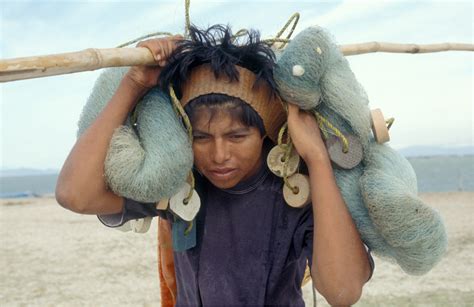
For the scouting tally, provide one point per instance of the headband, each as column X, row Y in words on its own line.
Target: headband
column 202, row 81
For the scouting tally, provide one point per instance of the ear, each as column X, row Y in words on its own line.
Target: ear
column 343, row 94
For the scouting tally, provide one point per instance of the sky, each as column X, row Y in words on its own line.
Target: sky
column 429, row 95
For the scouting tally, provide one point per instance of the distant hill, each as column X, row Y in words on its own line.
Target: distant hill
column 18, row 172
column 428, row 151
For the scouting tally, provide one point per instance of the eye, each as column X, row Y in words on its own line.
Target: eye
column 237, row 136
column 200, row 137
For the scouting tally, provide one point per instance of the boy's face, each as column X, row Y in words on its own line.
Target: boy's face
column 225, row 150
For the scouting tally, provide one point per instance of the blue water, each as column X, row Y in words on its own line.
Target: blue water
column 435, row 174
column 443, row 174
column 27, row 186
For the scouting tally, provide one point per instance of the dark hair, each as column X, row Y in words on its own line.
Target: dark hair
column 218, row 47
column 235, row 107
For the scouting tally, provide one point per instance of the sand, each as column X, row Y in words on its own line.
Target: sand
column 53, row 257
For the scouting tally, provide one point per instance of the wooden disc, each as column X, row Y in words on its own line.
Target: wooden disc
column 125, row 227
column 379, row 127
column 346, row 160
column 303, row 197
column 186, row 212
column 140, row 225
column 276, row 164
column 162, row 204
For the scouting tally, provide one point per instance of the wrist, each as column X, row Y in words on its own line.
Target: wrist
column 318, row 158
column 135, row 87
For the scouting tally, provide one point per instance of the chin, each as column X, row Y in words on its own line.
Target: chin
column 223, row 183
column 227, row 184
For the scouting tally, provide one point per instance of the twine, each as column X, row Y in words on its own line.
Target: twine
column 289, row 147
column 143, row 37
column 180, row 111
column 188, row 229
column 324, row 122
column 239, row 33
column 286, row 157
column 294, row 18
column 187, row 4
column 281, row 133
column 389, row 122
column 271, row 41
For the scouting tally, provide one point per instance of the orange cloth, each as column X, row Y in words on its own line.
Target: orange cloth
column 166, row 271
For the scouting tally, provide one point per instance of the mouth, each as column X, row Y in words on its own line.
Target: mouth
column 222, row 173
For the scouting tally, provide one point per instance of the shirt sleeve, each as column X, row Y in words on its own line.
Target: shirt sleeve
column 131, row 210
column 371, row 262
column 305, row 230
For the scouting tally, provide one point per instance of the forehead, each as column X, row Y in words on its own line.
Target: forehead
column 208, row 119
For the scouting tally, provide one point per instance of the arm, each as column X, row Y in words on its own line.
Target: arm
column 81, row 186
column 340, row 262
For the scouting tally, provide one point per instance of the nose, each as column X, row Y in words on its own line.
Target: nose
column 221, row 152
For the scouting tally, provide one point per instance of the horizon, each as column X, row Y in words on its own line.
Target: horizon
column 411, row 152
column 430, row 95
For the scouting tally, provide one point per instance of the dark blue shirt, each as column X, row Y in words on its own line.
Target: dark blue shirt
column 252, row 248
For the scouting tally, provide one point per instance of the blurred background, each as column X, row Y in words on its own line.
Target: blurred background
column 53, row 257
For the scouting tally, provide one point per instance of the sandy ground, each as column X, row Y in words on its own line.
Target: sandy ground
column 53, row 257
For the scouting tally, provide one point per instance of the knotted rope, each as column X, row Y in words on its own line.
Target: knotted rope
column 286, row 158
column 181, row 113
column 323, row 123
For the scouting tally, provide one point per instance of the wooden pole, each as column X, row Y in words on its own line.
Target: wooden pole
column 66, row 63
column 371, row 47
column 92, row 59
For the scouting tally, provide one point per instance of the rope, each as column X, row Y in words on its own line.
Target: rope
column 143, row 37
column 289, row 147
column 189, row 228
column 179, row 109
column 295, row 17
column 281, row 133
column 315, row 302
column 324, row 122
column 286, row 157
column 190, row 194
column 270, row 41
column 181, row 112
column 389, row 122
column 186, row 16
column 239, row 33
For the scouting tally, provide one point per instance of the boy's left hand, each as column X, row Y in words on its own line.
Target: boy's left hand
column 305, row 135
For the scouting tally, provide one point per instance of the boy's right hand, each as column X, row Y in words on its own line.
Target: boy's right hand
column 145, row 77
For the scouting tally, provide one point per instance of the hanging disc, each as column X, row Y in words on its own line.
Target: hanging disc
column 379, row 127
column 303, row 197
column 162, row 204
column 125, row 227
column 186, row 212
column 346, row 160
column 140, row 225
column 276, row 163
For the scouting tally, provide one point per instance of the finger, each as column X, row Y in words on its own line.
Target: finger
column 166, row 47
column 178, row 37
column 154, row 49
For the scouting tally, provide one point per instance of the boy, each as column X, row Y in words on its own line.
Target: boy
column 251, row 247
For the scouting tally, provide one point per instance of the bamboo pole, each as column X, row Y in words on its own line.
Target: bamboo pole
column 66, row 63
column 92, row 59
column 371, row 47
